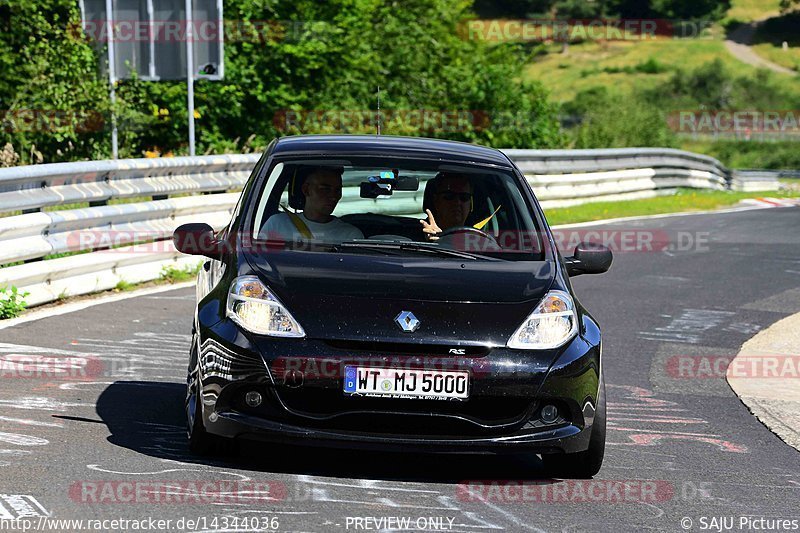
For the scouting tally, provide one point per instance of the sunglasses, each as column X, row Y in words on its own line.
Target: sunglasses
column 450, row 196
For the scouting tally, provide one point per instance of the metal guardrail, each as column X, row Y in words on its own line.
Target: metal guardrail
column 757, row 180
column 37, row 186
column 113, row 234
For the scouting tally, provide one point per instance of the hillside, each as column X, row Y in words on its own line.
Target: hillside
column 625, row 65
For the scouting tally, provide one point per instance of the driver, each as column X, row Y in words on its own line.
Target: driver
column 448, row 204
column 322, row 190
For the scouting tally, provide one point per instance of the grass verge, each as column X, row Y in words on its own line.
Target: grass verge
column 685, row 200
column 751, row 10
column 622, row 65
column 171, row 274
column 770, row 36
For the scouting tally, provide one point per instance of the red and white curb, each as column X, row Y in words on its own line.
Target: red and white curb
column 772, row 202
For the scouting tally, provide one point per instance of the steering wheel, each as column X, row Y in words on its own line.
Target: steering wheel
column 489, row 243
column 465, row 229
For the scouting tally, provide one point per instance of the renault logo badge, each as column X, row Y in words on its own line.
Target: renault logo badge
column 407, row 321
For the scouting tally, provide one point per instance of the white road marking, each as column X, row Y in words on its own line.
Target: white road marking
column 80, row 306
column 509, row 515
column 8, row 348
column 98, row 468
column 14, row 506
column 689, row 326
column 28, row 422
column 41, row 404
column 22, row 440
column 303, row 478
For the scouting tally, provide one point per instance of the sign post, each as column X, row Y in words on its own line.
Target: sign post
column 190, row 73
column 155, row 50
column 112, row 80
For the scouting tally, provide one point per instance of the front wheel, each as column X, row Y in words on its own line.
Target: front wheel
column 586, row 464
column 201, row 442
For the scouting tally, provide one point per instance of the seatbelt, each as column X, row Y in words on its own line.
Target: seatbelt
column 300, row 225
column 486, row 220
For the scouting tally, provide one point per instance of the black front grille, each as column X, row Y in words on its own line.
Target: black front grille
column 408, row 348
column 411, row 426
column 333, row 409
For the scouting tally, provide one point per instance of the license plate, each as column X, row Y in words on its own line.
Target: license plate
column 406, row 383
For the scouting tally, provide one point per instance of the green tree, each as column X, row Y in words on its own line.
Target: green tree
column 328, row 59
column 511, row 8
column 52, row 99
column 787, row 5
column 615, row 121
column 300, row 56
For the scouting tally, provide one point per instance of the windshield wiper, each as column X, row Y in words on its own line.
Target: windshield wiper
column 408, row 246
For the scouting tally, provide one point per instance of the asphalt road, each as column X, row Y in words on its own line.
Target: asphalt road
column 679, row 448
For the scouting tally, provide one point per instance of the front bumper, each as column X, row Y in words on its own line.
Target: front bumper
column 508, row 389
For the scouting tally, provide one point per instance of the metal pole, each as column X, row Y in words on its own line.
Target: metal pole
column 151, row 67
column 112, row 77
column 190, row 73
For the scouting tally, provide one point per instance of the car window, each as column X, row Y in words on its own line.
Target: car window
column 313, row 205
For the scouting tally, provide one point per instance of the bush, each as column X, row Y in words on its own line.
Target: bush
column 651, row 66
column 12, row 302
column 55, row 105
column 710, row 85
column 665, row 9
column 334, row 59
column 614, row 121
column 748, row 154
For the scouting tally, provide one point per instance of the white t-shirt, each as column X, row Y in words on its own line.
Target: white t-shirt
column 280, row 227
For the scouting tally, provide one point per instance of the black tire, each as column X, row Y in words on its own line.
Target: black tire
column 586, row 464
column 201, row 442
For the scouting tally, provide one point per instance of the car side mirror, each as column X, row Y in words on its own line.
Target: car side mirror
column 198, row 239
column 589, row 258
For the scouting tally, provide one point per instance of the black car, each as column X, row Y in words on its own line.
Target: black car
column 394, row 294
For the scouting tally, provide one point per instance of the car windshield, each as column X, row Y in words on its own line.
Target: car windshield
column 396, row 207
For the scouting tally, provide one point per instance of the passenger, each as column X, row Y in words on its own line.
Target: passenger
column 322, row 190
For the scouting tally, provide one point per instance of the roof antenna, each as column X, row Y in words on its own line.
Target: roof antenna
column 379, row 110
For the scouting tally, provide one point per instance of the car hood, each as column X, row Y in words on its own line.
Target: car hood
column 359, row 296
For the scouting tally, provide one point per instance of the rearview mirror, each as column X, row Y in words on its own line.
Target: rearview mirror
column 406, row 183
column 386, row 183
column 589, row 258
column 198, row 239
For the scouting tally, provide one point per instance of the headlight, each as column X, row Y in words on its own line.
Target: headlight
column 551, row 324
column 256, row 309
